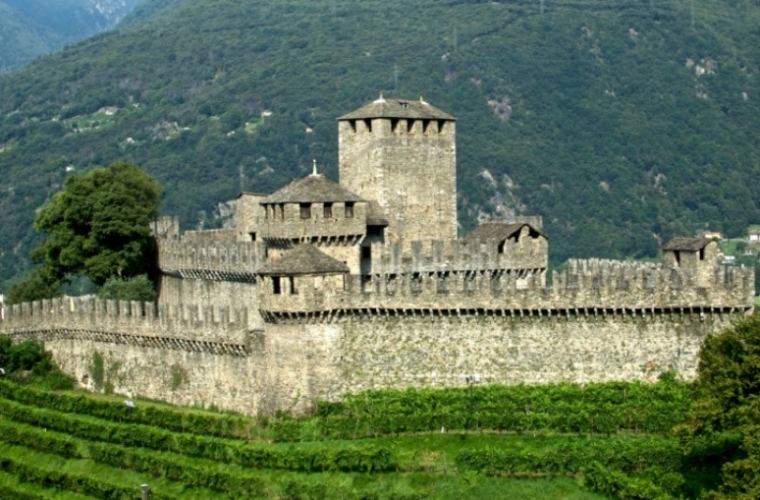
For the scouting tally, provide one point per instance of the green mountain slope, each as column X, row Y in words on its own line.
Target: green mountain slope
column 621, row 122
column 30, row 28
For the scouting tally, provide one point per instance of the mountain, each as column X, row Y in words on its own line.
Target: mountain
column 622, row 122
column 30, row 28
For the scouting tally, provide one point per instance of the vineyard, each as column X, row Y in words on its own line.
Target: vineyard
column 556, row 441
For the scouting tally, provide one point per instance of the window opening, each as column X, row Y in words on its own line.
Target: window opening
column 253, row 236
column 292, row 283
column 416, row 282
column 425, row 125
column 352, row 123
column 366, row 253
column 328, row 210
column 305, row 210
column 282, row 211
column 368, row 123
column 394, row 124
column 349, row 209
column 702, row 253
column 276, row 285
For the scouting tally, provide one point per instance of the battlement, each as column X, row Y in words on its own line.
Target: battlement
column 225, row 260
column 143, row 322
column 593, row 285
column 457, row 256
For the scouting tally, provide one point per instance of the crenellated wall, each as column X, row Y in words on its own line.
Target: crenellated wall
column 457, row 255
column 593, row 287
column 219, row 329
column 211, row 259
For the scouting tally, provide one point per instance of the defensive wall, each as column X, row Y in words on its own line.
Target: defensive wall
column 448, row 255
column 596, row 321
column 586, row 288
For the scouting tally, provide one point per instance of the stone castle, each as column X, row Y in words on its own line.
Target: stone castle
column 324, row 288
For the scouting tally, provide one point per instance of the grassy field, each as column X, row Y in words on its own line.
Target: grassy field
column 76, row 446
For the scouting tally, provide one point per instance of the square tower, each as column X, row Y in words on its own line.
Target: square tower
column 402, row 155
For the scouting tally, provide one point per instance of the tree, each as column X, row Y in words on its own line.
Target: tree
column 98, row 225
column 137, row 288
column 33, row 287
column 726, row 409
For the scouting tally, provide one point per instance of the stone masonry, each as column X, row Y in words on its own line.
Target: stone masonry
column 326, row 288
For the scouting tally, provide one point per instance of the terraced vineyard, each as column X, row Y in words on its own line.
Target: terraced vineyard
column 75, row 446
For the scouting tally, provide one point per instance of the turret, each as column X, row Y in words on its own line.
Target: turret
column 697, row 256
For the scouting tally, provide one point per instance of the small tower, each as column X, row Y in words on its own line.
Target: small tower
column 697, row 256
column 402, row 154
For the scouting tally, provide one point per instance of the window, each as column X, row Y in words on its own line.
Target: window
column 366, row 253
column 282, row 211
column 328, row 210
column 276, row 285
column 293, row 290
column 349, row 209
column 305, row 210
column 266, row 211
column 253, row 236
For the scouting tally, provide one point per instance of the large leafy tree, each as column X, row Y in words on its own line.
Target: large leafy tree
column 98, row 225
column 726, row 409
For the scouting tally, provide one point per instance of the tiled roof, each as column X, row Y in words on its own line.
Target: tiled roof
column 398, row 108
column 304, row 259
column 311, row 189
column 687, row 244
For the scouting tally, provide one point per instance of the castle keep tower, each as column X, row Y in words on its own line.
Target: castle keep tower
column 403, row 155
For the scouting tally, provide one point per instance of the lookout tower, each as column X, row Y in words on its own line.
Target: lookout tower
column 402, row 154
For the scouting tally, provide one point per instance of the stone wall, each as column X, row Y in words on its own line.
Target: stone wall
column 288, row 224
column 588, row 287
column 288, row 366
column 410, row 170
column 456, row 255
column 220, row 294
column 211, row 259
column 435, row 352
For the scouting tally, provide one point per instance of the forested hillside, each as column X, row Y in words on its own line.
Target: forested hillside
column 31, row 28
column 623, row 123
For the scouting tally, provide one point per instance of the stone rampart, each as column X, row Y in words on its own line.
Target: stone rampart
column 458, row 255
column 213, row 329
column 587, row 287
column 219, row 260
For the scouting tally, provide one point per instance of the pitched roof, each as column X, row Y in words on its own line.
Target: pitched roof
column 313, row 188
column 687, row 244
column 398, row 108
column 304, row 259
column 498, row 230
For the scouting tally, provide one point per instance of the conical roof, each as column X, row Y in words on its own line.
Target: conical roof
column 398, row 108
column 312, row 189
column 304, row 259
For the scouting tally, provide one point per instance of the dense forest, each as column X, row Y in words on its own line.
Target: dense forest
column 621, row 122
column 30, row 28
